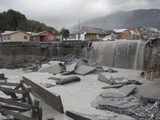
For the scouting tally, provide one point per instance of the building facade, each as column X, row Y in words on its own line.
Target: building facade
column 15, row 36
column 44, row 36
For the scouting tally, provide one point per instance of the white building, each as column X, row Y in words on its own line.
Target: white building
column 15, row 36
column 88, row 33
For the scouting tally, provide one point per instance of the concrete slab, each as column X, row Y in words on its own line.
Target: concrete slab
column 112, row 80
column 52, row 99
column 84, row 69
column 127, row 90
column 119, row 93
column 115, row 103
column 68, row 80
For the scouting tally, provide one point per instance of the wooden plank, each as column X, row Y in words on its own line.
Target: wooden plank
column 8, row 84
column 52, row 99
column 16, row 115
column 13, row 90
column 14, row 103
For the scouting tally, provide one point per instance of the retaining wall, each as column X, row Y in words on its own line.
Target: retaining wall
column 19, row 54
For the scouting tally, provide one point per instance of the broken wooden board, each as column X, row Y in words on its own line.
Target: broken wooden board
column 15, row 114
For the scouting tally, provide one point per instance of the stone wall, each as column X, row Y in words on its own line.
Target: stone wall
column 152, row 59
column 20, row 54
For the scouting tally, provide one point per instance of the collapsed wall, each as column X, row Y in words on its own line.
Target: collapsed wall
column 13, row 55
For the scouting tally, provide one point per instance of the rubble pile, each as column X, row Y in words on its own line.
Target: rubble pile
column 67, row 59
column 53, row 67
column 116, row 80
column 81, row 116
column 121, row 95
column 140, row 102
column 17, row 103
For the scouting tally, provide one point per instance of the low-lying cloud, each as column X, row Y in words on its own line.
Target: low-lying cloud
column 64, row 13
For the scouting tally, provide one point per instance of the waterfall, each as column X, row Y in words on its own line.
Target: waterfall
column 119, row 53
column 139, row 56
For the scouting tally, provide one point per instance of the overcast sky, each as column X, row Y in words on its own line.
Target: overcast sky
column 64, row 13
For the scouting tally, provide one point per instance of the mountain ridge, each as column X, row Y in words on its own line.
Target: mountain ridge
column 126, row 19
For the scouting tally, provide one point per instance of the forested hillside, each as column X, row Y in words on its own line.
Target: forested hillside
column 14, row 20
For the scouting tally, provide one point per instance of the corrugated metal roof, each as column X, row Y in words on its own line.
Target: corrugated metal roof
column 119, row 30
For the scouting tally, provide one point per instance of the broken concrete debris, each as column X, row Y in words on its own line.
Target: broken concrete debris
column 53, row 68
column 71, row 67
column 109, row 70
column 84, row 70
column 112, row 80
column 123, row 101
column 117, row 99
column 115, row 103
column 65, row 79
column 82, row 116
column 48, row 85
column 113, row 86
column 121, row 92
column 116, row 80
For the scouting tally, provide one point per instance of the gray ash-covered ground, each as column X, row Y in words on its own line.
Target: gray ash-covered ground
column 124, row 102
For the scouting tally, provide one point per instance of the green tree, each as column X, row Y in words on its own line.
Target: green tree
column 14, row 20
column 64, row 33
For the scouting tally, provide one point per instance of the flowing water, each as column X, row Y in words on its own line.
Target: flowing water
column 120, row 53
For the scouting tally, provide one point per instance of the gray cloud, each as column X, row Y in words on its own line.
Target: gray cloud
column 64, row 13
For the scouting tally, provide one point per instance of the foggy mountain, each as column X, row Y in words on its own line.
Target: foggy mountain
column 127, row 19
